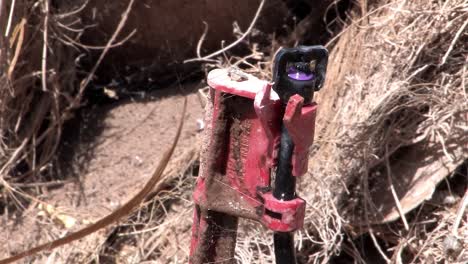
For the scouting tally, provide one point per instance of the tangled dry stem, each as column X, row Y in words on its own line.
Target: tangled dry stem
column 38, row 89
column 396, row 83
column 397, row 79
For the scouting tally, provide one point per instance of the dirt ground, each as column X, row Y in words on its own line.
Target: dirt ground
column 387, row 179
column 109, row 156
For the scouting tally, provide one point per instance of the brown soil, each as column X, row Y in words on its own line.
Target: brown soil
column 111, row 154
column 168, row 31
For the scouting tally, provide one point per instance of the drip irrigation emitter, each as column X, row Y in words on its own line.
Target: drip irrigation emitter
column 257, row 130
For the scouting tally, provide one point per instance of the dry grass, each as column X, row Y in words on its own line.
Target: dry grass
column 39, row 88
column 395, row 97
column 160, row 229
column 37, row 92
column 396, row 85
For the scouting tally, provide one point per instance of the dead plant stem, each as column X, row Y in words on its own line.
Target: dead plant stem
column 44, row 46
column 86, row 81
column 392, row 189
column 116, row 215
column 460, row 213
column 452, row 44
column 10, row 18
column 233, row 44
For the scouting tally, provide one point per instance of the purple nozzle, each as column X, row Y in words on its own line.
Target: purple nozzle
column 295, row 74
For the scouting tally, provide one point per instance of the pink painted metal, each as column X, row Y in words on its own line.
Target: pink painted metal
column 300, row 122
column 291, row 212
column 241, row 150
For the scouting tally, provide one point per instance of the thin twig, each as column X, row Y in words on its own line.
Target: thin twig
column 44, row 46
column 86, row 81
column 452, row 44
column 367, row 202
column 13, row 157
column 394, row 194
column 19, row 37
column 202, row 38
column 378, row 247
column 246, row 33
column 89, row 47
column 73, row 12
column 40, row 184
column 355, row 23
column 460, row 213
column 116, row 215
column 10, row 18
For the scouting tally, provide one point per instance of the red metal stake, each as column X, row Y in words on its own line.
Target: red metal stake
column 240, row 153
column 252, row 132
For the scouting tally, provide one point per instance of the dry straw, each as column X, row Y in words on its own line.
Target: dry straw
column 395, row 91
column 396, row 96
column 392, row 121
column 38, row 86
